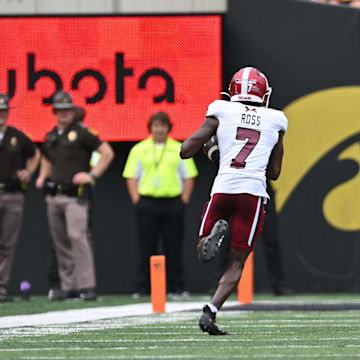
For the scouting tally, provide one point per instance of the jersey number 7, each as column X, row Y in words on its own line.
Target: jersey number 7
column 252, row 137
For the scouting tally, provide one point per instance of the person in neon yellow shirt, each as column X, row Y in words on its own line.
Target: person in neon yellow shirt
column 160, row 185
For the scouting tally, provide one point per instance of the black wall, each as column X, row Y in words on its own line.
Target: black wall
column 305, row 47
column 301, row 46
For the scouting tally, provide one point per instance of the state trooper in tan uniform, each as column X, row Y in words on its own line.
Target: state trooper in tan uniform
column 65, row 175
column 19, row 158
column 55, row 293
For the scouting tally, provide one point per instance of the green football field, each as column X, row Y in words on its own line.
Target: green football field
column 254, row 334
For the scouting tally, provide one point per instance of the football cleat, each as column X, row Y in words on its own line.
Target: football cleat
column 209, row 246
column 207, row 322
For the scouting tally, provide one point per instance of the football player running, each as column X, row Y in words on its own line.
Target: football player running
column 250, row 141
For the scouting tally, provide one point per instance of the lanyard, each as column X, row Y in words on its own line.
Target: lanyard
column 157, row 162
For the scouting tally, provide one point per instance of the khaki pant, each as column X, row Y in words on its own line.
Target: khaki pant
column 11, row 210
column 68, row 221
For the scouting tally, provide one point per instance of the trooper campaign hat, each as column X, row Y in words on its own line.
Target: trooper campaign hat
column 4, row 102
column 62, row 100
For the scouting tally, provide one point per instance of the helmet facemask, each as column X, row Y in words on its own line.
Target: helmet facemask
column 267, row 97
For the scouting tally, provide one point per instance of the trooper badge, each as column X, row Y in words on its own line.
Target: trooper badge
column 72, row 136
column 13, row 141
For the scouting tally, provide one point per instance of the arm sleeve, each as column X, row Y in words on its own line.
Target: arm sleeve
column 132, row 165
column 28, row 147
column 91, row 140
column 187, row 169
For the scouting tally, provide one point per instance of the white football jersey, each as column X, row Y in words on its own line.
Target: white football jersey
column 246, row 136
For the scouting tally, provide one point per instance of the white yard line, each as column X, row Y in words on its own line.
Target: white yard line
column 100, row 313
column 286, row 321
column 191, row 339
column 117, row 348
column 247, row 356
column 295, row 301
column 91, row 314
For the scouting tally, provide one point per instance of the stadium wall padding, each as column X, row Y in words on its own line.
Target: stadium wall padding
column 311, row 54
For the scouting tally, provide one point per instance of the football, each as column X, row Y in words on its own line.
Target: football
column 211, row 149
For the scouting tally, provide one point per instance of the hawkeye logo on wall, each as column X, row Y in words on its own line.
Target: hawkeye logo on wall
column 318, row 193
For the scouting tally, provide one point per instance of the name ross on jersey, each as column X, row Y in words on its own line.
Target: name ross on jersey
column 250, row 119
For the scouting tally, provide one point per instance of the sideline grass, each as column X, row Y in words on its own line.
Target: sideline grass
column 255, row 335
column 39, row 304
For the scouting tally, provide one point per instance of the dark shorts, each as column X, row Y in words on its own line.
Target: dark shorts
column 244, row 210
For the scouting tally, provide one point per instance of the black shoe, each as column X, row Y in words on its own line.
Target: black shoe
column 72, row 294
column 56, row 294
column 207, row 323
column 140, row 294
column 282, row 291
column 87, row 295
column 209, row 246
column 6, row 298
column 178, row 295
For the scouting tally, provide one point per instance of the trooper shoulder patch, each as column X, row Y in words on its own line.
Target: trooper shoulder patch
column 28, row 135
column 92, row 131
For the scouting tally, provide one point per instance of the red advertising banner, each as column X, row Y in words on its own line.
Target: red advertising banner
column 121, row 69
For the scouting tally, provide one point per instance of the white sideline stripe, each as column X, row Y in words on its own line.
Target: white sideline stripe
column 91, row 314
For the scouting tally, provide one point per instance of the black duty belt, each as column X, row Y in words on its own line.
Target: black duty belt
column 12, row 186
column 53, row 189
column 161, row 199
